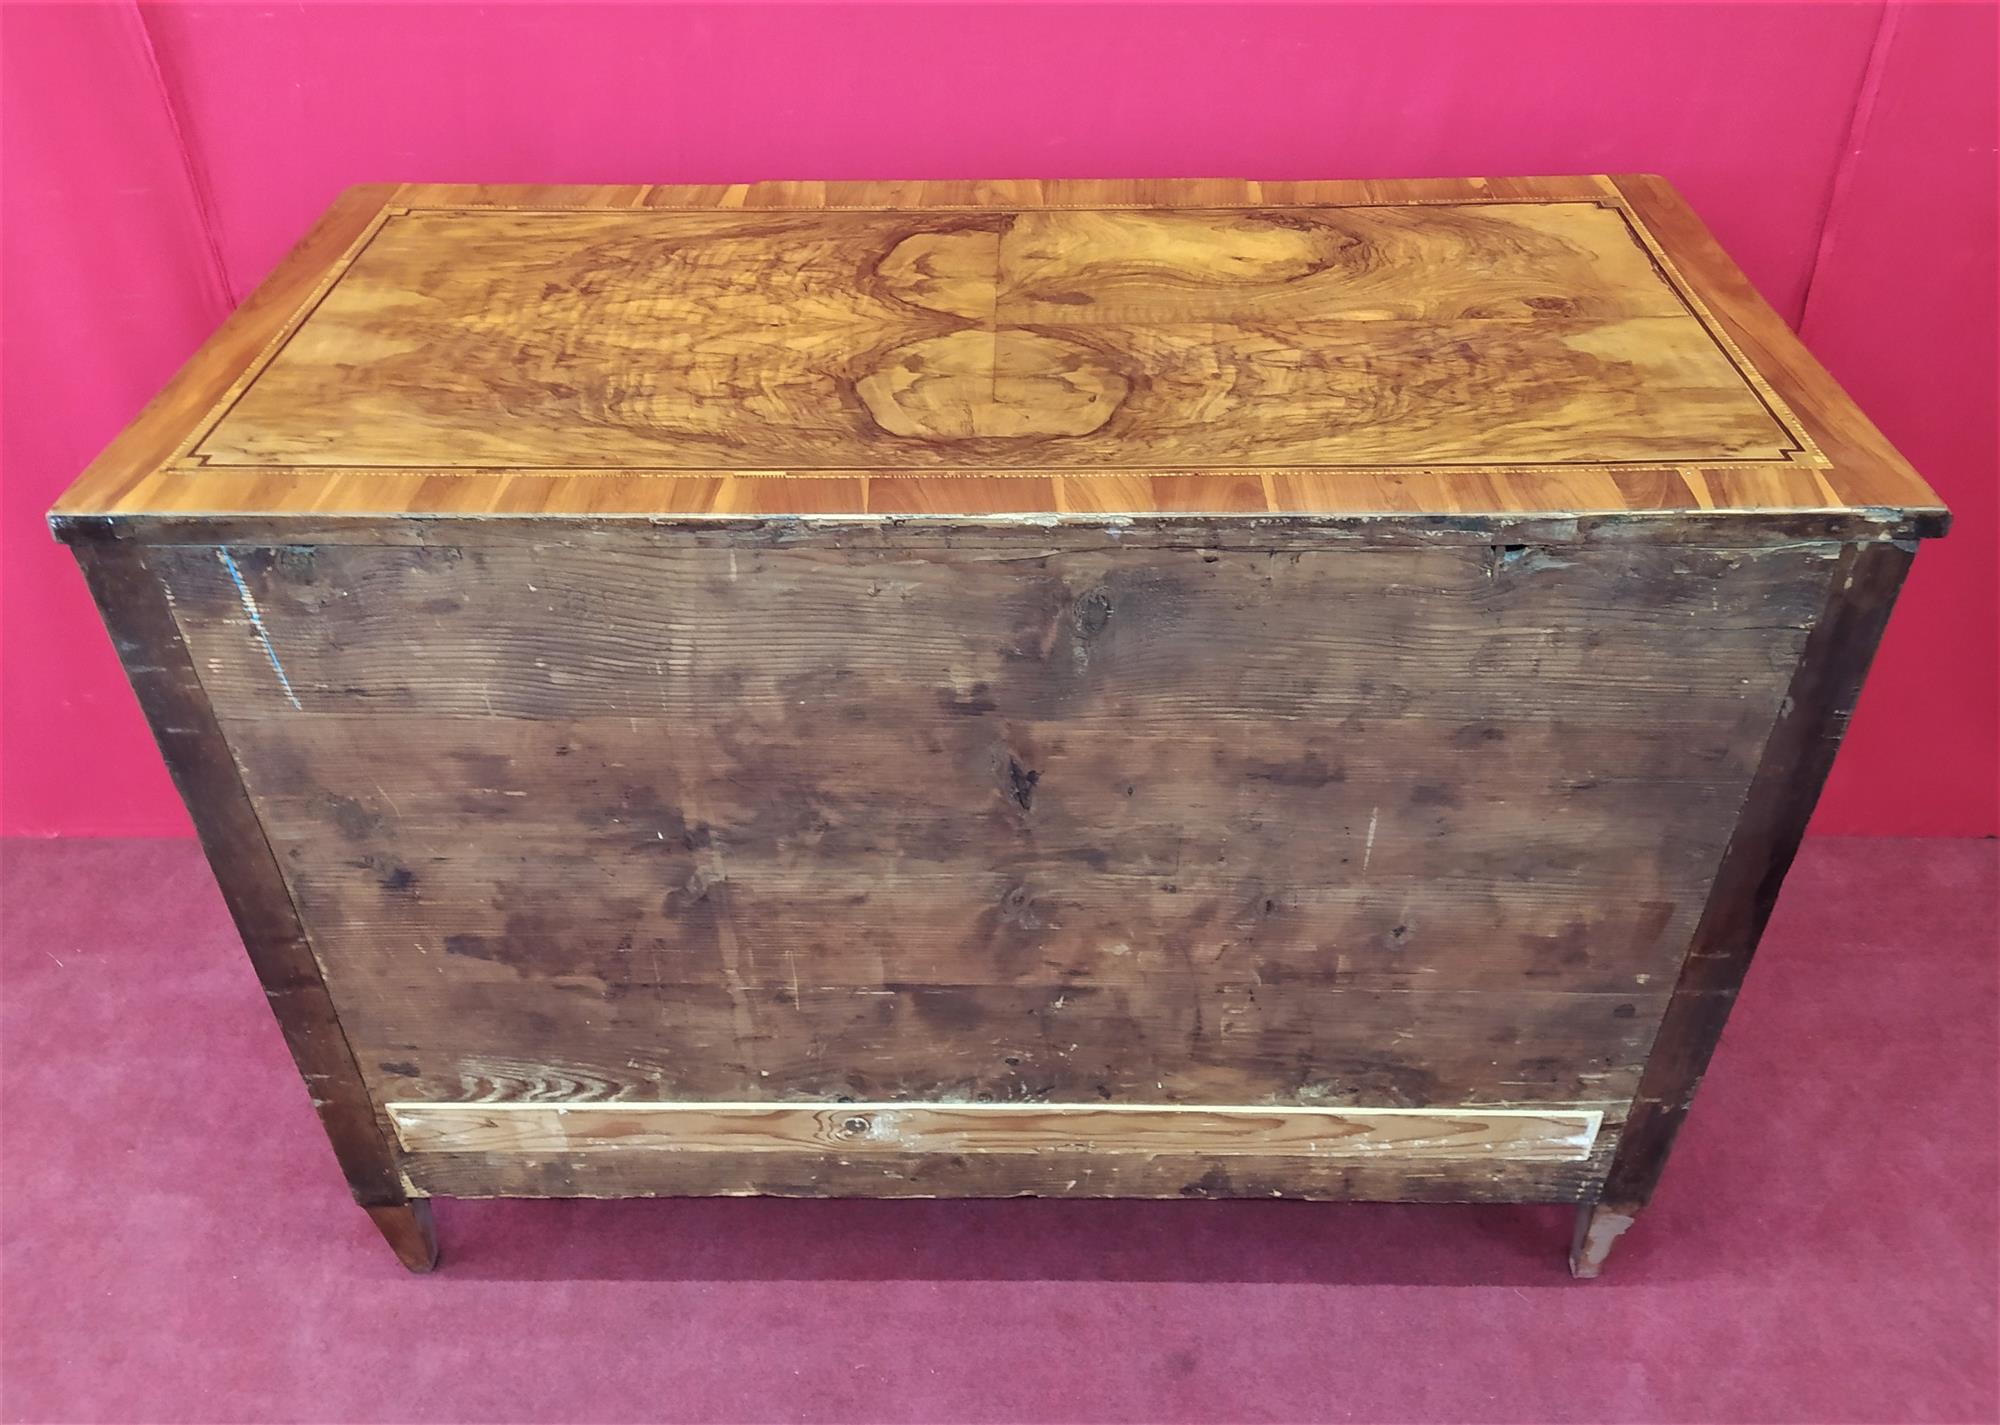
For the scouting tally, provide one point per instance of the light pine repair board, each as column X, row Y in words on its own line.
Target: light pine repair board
column 1075, row 688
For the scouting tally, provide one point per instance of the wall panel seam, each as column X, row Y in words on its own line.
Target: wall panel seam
column 1865, row 94
column 193, row 174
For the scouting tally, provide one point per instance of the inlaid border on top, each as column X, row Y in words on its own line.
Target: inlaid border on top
column 1800, row 453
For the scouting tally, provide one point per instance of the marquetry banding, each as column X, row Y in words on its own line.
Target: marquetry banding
column 1522, row 1135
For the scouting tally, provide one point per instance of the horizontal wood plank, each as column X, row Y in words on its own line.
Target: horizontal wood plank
column 1490, row 633
column 481, row 1031
column 859, row 1129
column 958, row 1175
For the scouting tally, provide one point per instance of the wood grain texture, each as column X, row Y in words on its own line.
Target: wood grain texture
column 1389, row 1178
column 1419, row 827
column 132, row 599
column 1791, row 771
column 861, row 1129
column 410, row 1231
column 1485, row 348
column 1078, row 688
column 1080, row 339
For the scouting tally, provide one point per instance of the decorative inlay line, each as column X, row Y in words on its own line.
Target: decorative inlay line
column 1773, row 402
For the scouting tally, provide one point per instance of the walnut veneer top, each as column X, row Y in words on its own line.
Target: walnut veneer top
column 1464, row 348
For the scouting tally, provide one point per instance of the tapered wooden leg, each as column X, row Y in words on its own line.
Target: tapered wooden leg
column 410, row 1231
column 1598, row 1225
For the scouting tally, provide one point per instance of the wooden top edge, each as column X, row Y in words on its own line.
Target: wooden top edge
column 1866, row 485
column 1007, row 193
column 1874, row 471
column 1723, row 529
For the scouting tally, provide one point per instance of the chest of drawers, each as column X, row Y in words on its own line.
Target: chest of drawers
column 1094, row 689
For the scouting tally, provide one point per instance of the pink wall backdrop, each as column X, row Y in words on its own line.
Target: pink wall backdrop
column 157, row 162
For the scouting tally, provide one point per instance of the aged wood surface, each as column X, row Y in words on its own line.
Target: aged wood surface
column 1368, row 828
column 132, row 600
column 1598, row 1228
column 1114, row 1173
column 863, row 1128
column 1792, row 769
column 410, row 1231
column 1483, row 348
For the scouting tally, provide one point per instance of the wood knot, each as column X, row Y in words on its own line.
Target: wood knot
column 1093, row 612
column 1021, row 784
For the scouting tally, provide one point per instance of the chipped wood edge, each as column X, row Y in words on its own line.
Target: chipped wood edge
column 1598, row 1229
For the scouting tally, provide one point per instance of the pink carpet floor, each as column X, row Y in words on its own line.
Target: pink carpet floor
column 178, row 1246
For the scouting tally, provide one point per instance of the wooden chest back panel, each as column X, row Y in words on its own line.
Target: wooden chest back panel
column 1423, row 826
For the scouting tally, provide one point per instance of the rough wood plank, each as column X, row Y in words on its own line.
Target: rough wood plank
column 1491, row 634
column 1223, row 1131
column 486, row 1033
column 951, row 1175
column 449, row 837
column 1391, row 827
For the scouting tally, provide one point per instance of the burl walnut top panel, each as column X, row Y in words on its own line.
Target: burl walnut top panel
column 1573, row 346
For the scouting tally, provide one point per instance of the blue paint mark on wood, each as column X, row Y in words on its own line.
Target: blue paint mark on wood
column 257, row 624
